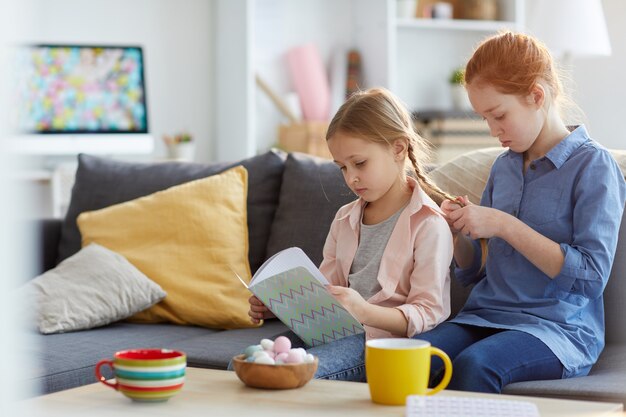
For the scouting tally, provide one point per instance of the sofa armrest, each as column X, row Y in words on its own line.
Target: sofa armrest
column 48, row 236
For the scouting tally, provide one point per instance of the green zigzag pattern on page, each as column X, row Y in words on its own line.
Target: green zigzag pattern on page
column 305, row 306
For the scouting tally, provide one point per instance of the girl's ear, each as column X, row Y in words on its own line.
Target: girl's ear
column 400, row 147
column 537, row 95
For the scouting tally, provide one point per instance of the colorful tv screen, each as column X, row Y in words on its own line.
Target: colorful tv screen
column 81, row 89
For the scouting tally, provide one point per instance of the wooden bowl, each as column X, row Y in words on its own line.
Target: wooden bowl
column 284, row 376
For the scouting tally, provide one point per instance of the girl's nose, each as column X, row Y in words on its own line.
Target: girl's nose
column 352, row 178
column 494, row 129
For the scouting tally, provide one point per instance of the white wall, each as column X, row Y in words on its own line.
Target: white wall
column 601, row 87
column 176, row 36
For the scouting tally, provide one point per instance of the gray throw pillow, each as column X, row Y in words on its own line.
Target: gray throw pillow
column 313, row 190
column 92, row 288
column 102, row 182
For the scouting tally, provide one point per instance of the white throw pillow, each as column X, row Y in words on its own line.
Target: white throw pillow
column 92, row 288
column 466, row 174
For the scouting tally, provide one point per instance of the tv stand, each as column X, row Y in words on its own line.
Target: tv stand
column 73, row 144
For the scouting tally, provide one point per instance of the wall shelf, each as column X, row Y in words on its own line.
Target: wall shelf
column 456, row 24
column 412, row 57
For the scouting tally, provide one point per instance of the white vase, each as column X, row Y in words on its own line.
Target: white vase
column 460, row 100
column 406, row 9
column 182, row 151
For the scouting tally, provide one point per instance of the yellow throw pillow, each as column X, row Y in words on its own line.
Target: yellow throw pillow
column 186, row 238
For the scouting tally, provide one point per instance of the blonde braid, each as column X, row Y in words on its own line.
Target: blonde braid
column 433, row 191
column 438, row 196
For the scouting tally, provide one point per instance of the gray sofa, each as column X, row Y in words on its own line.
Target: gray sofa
column 291, row 202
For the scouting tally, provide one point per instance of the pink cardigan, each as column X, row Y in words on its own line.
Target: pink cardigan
column 415, row 268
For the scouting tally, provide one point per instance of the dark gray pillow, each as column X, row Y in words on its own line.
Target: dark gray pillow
column 313, row 190
column 102, row 182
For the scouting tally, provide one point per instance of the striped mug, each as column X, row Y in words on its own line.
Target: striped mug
column 146, row 374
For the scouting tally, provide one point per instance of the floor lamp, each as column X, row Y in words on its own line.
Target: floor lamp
column 569, row 28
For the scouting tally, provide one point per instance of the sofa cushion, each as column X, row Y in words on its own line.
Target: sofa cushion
column 101, row 182
column 312, row 191
column 66, row 360
column 92, row 288
column 215, row 350
column 189, row 239
column 605, row 382
column 466, row 174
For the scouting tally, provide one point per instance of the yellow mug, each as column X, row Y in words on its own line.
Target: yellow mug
column 397, row 368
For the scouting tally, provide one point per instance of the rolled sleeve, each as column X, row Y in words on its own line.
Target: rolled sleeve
column 597, row 216
column 573, row 269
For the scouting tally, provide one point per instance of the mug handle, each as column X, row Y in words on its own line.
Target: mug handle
column 103, row 379
column 447, row 373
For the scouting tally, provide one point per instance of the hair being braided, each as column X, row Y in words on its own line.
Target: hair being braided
column 429, row 187
column 438, row 196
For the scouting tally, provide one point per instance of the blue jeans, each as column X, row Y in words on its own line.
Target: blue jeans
column 486, row 360
column 342, row 360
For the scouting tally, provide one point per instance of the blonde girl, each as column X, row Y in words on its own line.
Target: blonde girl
column 388, row 253
column 551, row 210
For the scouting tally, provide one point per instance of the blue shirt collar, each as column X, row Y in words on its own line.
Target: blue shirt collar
column 564, row 149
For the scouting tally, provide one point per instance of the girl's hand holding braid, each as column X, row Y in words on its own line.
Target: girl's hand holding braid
column 472, row 220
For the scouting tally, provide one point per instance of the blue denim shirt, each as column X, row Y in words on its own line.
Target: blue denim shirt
column 575, row 196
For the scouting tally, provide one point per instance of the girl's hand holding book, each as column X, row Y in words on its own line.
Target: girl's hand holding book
column 349, row 299
column 258, row 311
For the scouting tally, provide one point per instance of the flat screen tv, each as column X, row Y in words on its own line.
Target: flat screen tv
column 81, row 98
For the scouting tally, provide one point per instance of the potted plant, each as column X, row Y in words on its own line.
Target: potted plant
column 180, row 146
column 460, row 100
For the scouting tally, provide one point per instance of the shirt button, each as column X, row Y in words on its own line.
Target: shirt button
column 532, row 166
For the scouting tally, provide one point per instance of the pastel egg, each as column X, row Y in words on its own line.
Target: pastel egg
column 309, row 358
column 294, row 357
column 265, row 360
column 251, row 349
column 267, row 344
column 260, row 353
column 281, row 357
column 282, row 344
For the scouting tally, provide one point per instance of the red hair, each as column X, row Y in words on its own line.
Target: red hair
column 513, row 63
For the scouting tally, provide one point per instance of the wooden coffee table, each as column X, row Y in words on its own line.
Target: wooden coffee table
column 220, row 393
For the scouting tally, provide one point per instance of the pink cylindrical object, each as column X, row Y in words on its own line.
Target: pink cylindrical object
column 310, row 81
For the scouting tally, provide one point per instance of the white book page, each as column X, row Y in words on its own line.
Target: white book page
column 453, row 406
column 285, row 260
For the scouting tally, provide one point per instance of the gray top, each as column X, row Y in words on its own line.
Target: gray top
column 372, row 243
